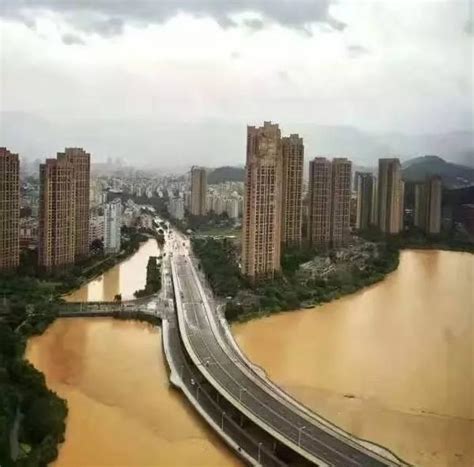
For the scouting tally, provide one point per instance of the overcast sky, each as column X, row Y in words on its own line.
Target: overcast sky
column 377, row 65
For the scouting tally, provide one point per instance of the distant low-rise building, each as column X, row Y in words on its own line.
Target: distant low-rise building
column 28, row 232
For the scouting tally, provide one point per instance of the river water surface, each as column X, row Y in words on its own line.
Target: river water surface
column 393, row 363
column 122, row 410
column 124, row 278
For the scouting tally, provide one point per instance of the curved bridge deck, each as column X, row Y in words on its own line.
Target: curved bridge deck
column 248, row 393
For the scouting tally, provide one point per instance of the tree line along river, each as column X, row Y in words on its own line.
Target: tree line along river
column 393, row 363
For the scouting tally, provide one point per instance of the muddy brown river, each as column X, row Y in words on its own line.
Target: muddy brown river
column 393, row 363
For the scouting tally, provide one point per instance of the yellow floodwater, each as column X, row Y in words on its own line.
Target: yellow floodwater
column 124, row 278
column 393, row 363
column 122, row 411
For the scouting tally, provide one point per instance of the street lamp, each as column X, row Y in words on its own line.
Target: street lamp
column 300, row 429
column 258, row 456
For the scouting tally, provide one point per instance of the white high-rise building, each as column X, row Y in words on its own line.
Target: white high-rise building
column 96, row 228
column 232, row 208
column 112, row 224
column 176, row 208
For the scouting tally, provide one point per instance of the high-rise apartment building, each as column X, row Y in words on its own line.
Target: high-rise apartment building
column 329, row 202
column 176, row 208
column 341, row 175
column 198, row 191
column 319, row 219
column 112, row 226
column 365, row 188
column 57, row 219
column 292, row 190
column 80, row 160
column 261, row 232
column 427, row 213
column 9, row 210
column 390, row 197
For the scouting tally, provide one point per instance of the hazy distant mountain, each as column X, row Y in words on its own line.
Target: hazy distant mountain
column 453, row 175
column 162, row 144
column 226, row 174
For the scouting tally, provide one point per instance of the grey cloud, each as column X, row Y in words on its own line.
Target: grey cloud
column 255, row 24
column 469, row 28
column 72, row 39
column 284, row 76
column 357, row 50
column 296, row 14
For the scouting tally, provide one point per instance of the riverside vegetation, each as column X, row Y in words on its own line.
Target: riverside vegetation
column 32, row 417
column 294, row 287
column 153, row 278
column 299, row 285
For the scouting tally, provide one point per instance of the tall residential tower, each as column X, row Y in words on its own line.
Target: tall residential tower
column 261, row 232
column 427, row 214
column 390, row 196
column 292, row 191
column 329, row 202
column 57, row 217
column 198, row 191
column 112, row 226
column 9, row 210
column 80, row 160
column 341, row 175
column 365, row 189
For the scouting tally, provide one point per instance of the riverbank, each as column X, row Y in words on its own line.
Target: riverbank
column 391, row 363
column 296, row 287
column 32, row 418
column 122, row 409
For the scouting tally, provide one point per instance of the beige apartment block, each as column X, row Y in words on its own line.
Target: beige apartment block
column 261, row 232
column 341, row 174
column 319, row 220
column 365, row 189
column 292, row 190
column 428, row 197
column 390, row 196
column 80, row 160
column 9, row 210
column 57, row 218
column 198, row 191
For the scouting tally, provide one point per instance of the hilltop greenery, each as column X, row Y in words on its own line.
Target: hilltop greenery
column 226, row 174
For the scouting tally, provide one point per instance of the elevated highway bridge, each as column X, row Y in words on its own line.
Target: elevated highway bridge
column 241, row 386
